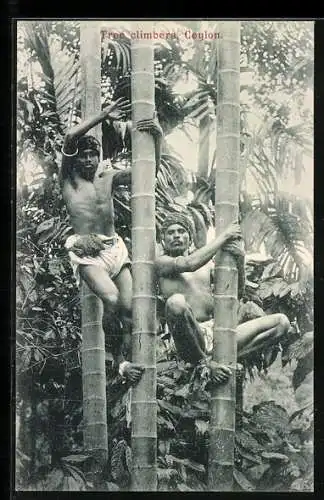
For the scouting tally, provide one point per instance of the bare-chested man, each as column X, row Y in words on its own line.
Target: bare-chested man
column 98, row 255
column 185, row 283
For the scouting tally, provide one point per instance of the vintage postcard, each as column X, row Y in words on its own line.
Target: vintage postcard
column 164, row 255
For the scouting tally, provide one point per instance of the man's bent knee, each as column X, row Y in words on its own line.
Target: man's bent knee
column 176, row 304
column 110, row 301
column 283, row 322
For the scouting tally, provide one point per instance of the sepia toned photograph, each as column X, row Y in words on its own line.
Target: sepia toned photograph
column 164, row 255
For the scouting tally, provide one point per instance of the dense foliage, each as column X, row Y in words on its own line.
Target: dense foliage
column 273, row 449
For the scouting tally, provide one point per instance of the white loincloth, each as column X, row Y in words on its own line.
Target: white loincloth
column 207, row 329
column 112, row 259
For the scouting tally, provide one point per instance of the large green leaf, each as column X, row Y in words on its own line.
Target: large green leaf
column 284, row 235
column 270, row 416
column 60, row 72
column 116, row 52
column 242, row 481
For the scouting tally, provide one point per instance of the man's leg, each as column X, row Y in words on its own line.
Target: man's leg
column 103, row 286
column 189, row 338
column 124, row 283
column 185, row 329
column 261, row 332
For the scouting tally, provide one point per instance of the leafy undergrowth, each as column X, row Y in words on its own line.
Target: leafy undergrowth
column 273, row 446
column 273, row 451
column 275, row 385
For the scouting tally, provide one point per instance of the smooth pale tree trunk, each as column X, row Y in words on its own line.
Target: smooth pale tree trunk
column 222, row 421
column 93, row 339
column 204, row 146
column 143, row 406
column 204, row 124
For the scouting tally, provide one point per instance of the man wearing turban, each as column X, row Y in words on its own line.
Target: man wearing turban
column 184, row 281
column 97, row 253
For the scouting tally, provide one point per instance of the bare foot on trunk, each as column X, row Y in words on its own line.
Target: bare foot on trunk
column 216, row 373
column 219, row 373
column 131, row 372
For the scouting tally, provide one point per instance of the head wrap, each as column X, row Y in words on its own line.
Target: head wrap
column 178, row 218
column 89, row 142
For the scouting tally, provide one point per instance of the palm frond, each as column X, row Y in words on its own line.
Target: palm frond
column 285, row 236
column 168, row 108
column 60, row 72
column 195, row 102
column 171, row 183
column 274, row 152
column 116, row 52
column 67, row 86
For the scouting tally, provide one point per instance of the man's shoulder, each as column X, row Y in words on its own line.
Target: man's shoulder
column 105, row 168
column 66, row 184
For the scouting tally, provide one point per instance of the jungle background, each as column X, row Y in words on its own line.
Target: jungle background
column 274, row 438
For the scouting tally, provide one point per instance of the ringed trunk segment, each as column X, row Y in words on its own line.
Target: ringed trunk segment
column 222, row 421
column 204, row 146
column 93, row 377
column 143, row 405
column 93, row 338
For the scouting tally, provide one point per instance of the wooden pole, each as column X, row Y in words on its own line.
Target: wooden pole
column 198, row 63
column 204, row 146
column 222, row 421
column 143, row 406
column 93, row 338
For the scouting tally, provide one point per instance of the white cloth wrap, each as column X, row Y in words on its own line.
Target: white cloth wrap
column 112, row 258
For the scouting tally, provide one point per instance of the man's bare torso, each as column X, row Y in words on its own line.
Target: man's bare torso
column 195, row 286
column 90, row 204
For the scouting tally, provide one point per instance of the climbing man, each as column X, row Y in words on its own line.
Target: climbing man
column 184, row 281
column 98, row 255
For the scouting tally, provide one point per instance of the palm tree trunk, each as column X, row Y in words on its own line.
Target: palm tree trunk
column 222, row 421
column 198, row 63
column 204, row 145
column 93, row 340
column 239, row 399
column 143, row 408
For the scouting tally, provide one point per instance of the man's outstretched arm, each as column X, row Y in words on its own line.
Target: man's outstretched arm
column 124, row 177
column 114, row 111
column 169, row 266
